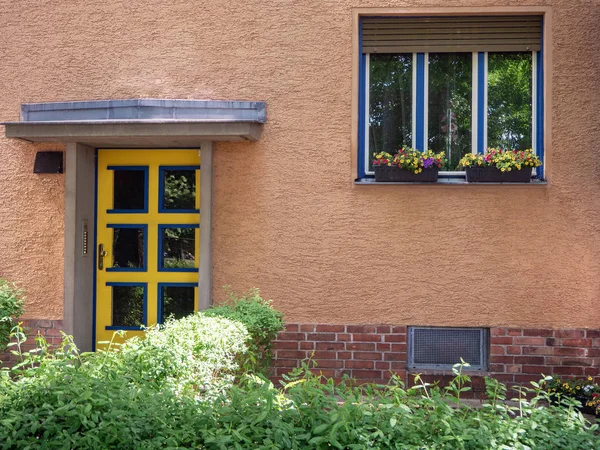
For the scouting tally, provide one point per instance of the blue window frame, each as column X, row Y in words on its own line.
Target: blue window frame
column 419, row 134
column 186, row 303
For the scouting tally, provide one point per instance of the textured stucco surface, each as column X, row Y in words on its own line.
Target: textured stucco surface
column 287, row 217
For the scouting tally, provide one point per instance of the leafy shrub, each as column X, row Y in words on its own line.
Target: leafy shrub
column 11, row 307
column 262, row 321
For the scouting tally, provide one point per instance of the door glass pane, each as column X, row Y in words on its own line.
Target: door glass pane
column 177, row 301
column 390, row 103
column 509, row 100
column 127, row 306
column 128, row 248
column 179, row 189
column 449, row 118
column 179, row 248
column 129, row 189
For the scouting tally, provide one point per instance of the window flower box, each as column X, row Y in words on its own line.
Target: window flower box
column 500, row 166
column 408, row 165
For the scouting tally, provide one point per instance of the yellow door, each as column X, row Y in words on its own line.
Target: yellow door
column 147, row 238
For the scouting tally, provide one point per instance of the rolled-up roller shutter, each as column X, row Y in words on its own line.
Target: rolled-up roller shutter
column 451, row 34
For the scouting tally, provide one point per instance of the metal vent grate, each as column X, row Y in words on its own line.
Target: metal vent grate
column 433, row 347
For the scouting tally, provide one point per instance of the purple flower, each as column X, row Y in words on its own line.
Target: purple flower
column 427, row 162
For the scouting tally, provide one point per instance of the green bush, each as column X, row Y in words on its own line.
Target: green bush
column 11, row 307
column 262, row 321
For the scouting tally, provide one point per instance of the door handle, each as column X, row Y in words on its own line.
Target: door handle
column 101, row 254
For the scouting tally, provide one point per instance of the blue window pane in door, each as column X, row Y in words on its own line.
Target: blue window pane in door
column 128, row 248
column 179, row 190
column 178, row 248
column 127, row 306
column 177, row 301
column 129, row 191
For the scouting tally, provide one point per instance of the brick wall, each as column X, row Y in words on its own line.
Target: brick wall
column 371, row 353
column 50, row 329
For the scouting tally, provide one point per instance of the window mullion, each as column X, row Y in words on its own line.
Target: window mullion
column 420, row 113
column 482, row 101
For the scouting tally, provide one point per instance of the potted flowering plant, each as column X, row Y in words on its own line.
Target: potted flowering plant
column 582, row 389
column 498, row 165
column 408, row 164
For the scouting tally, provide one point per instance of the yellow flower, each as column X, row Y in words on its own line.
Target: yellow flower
column 503, row 169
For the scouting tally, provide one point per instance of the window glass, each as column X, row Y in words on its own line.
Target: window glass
column 450, row 111
column 390, row 103
column 127, row 306
column 179, row 248
column 179, row 189
column 129, row 191
column 177, row 301
column 509, row 100
column 128, row 248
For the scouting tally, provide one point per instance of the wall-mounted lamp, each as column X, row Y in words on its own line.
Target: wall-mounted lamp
column 48, row 162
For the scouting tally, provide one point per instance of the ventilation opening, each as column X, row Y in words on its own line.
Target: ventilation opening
column 441, row 348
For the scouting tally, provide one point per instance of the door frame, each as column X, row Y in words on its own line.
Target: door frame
column 80, row 232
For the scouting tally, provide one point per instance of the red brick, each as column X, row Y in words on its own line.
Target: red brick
column 592, row 334
column 568, row 370
column 287, row 345
column 496, row 368
column 344, row 355
column 368, row 355
column 513, row 369
column 401, row 348
column 576, row 342
column 382, row 365
column 592, row 371
column 290, row 354
column 362, row 346
column 361, row 329
column 539, row 360
column 307, row 328
column 344, row 337
column 593, row 352
column 287, row 336
column 395, row 338
column 329, row 373
column 496, row 350
column 553, row 360
column 384, row 347
column 501, row 340
column 57, row 324
column 538, row 351
column 539, row 370
column 538, row 332
column 398, row 365
column 384, row 329
column 329, row 364
column 551, row 342
column 320, row 337
column 570, row 334
column 569, row 351
column 529, row 341
column 330, row 345
column 513, row 350
column 596, row 342
column 331, row 328
column 584, row 362
column 366, row 337
column 395, row 356
column 291, row 363
column 498, row 331
column 526, row 378
column 505, row 377
column 324, row 354
column 515, row 332
column 370, row 374
column 359, row 364
column 399, row 330
column 307, row 345
column 291, row 327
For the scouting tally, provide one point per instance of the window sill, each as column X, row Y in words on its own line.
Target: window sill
column 447, row 181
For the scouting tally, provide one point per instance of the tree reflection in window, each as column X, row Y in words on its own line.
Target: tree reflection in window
column 179, row 248
column 179, row 189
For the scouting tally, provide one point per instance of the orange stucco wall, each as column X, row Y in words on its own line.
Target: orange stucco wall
column 287, row 217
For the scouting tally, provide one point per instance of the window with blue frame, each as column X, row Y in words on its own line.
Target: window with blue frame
column 450, row 84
